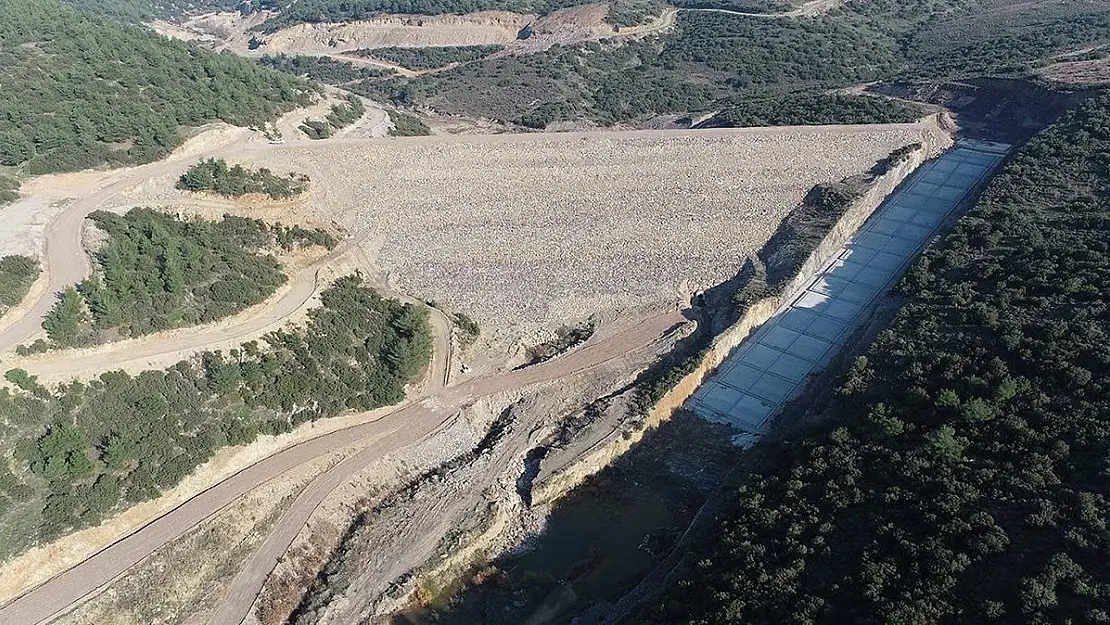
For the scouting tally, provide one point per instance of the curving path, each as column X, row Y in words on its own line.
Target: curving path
column 377, row 438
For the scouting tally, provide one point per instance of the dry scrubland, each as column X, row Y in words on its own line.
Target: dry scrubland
column 540, row 229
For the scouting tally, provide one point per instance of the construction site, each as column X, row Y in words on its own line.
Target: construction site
column 618, row 317
column 536, row 233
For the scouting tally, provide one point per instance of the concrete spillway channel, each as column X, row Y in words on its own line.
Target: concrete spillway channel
column 774, row 364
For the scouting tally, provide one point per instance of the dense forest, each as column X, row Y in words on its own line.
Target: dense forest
column 17, row 274
column 96, row 446
column 157, row 272
column 136, row 11
column 740, row 6
column 962, row 476
column 715, row 59
column 214, row 175
column 810, row 108
column 430, row 58
column 80, row 91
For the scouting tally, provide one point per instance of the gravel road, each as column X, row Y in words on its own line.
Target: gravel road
column 396, row 430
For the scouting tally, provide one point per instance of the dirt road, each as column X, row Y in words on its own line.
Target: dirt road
column 391, row 432
column 812, row 8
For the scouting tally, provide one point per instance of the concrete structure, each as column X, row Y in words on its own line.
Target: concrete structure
column 773, row 365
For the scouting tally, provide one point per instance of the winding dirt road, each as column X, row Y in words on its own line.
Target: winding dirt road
column 377, row 438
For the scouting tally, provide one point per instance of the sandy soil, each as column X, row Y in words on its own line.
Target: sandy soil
column 183, row 579
column 531, row 231
column 229, row 31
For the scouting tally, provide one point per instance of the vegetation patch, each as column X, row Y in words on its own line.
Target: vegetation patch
column 405, row 125
column 158, row 272
column 9, row 189
column 962, row 477
column 215, row 176
column 17, row 274
column 80, row 91
column 84, row 450
column 430, row 58
column 322, row 68
column 740, row 6
column 469, row 330
column 139, row 11
column 710, row 58
column 341, row 116
column 759, row 70
column 815, row 109
column 565, row 338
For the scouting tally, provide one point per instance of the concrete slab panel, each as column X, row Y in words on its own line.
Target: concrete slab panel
column 811, row 348
column 773, row 389
column 749, row 413
column 874, row 276
column 780, row 338
column 761, row 356
column 742, row 377
column 821, row 286
column 797, row 319
column 891, row 259
column 854, row 293
column 844, row 309
column 826, row 328
column 945, row 165
column 914, row 200
column 814, row 300
column 722, row 399
column 949, row 194
column 871, row 240
column 792, row 368
column 770, row 369
column 858, row 254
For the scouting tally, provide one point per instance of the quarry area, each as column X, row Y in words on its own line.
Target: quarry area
column 228, row 31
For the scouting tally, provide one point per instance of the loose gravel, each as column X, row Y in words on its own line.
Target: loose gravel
column 526, row 231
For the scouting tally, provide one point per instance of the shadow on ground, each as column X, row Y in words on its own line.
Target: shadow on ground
column 600, row 540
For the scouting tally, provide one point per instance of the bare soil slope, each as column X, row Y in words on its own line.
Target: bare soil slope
column 536, row 230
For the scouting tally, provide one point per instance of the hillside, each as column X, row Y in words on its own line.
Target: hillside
column 626, row 12
column 142, row 10
column 713, row 59
column 80, row 91
column 963, row 475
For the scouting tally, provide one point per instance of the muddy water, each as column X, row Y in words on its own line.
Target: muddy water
column 601, row 539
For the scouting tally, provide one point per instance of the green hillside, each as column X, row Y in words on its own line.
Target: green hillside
column 143, row 10
column 80, row 92
column 713, row 60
